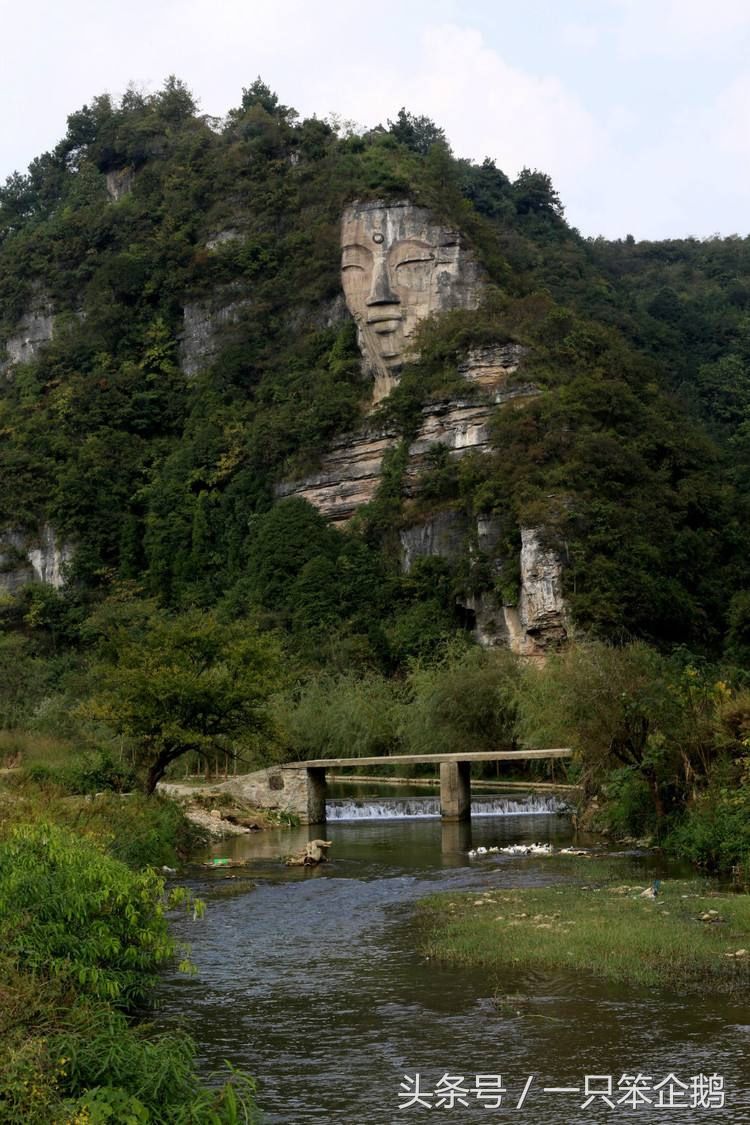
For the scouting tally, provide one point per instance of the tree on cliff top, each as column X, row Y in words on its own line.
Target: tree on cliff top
column 417, row 133
column 174, row 684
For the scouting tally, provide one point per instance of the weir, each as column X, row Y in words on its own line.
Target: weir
column 343, row 810
column 455, row 776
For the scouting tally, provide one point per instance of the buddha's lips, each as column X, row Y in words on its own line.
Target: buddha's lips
column 383, row 317
column 384, row 324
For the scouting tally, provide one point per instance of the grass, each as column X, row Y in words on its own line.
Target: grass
column 603, row 928
column 139, row 830
column 28, row 748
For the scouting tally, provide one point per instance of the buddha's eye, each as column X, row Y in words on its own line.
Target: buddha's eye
column 355, row 258
column 414, row 272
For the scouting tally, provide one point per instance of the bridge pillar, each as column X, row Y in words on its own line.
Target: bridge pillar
column 316, row 795
column 455, row 790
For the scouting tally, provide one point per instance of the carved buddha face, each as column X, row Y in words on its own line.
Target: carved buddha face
column 398, row 265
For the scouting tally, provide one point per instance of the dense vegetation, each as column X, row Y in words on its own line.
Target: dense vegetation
column 190, row 591
column 636, row 458
column 82, row 937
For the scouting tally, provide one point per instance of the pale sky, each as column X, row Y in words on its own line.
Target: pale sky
column 638, row 109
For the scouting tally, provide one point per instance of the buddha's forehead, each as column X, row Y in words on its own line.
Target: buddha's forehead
column 377, row 223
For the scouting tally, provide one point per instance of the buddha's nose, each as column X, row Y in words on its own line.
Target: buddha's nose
column 380, row 291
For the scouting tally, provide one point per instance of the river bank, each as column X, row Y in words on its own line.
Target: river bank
column 679, row 934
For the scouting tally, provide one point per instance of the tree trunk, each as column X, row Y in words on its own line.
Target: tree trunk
column 158, row 768
column 658, row 802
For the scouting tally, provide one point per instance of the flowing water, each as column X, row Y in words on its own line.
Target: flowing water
column 312, row 980
column 420, row 807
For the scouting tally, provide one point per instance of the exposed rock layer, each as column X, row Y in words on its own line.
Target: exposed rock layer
column 349, row 476
column 349, row 472
column 205, row 332
column 532, row 626
column 541, row 609
column 26, row 558
column 120, row 182
column 34, row 330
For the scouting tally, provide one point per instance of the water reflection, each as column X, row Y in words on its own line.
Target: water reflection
column 455, row 842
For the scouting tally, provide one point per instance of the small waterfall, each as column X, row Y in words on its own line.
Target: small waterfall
column 399, row 808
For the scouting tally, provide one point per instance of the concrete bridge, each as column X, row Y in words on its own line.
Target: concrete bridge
column 455, row 777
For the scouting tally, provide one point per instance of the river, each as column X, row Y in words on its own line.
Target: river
column 311, row 980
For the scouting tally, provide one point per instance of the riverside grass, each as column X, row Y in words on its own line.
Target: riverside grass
column 601, row 927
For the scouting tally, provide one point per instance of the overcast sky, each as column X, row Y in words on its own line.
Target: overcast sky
column 638, row 109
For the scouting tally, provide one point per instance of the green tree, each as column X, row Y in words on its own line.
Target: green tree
column 464, row 700
column 417, row 133
column 629, row 713
column 534, row 194
column 738, row 637
column 175, row 684
column 259, row 93
column 23, row 678
column 282, row 542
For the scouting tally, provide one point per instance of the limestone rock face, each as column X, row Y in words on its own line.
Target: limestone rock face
column 15, row 569
column 541, row 608
column 349, row 472
column 398, row 266
column 443, row 536
column 204, row 326
column 492, row 625
column 231, row 234
column 450, row 534
column 490, row 369
column 26, row 558
column 348, row 476
column 120, row 182
column 34, row 330
column 330, row 314
column 538, row 623
column 459, row 424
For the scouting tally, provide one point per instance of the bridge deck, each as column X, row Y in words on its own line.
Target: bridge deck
column 437, row 759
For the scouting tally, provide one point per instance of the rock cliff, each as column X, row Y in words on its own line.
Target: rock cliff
column 34, row 330
column 399, row 266
column 541, row 609
column 349, row 472
column 33, row 557
column 207, row 325
column 530, row 626
column 120, row 182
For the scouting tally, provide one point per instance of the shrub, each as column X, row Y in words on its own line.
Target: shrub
column 68, row 912
column 90, row 773
column 464, row 701
column 714, row 830
column 77, row 1060
column 624, row 708
column 339, row 716
column 629, row 808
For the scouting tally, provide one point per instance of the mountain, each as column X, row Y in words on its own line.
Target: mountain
column 368, row 392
